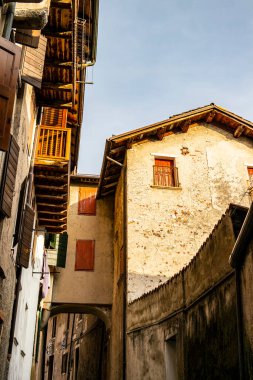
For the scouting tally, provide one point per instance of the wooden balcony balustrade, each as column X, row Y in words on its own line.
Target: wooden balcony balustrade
column 165, row 176
column 52, row 170
column 54, row 143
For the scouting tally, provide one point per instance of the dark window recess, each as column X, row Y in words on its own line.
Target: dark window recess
column 21, row 205
column 54, row 324
column 26, row 232
column 62, row 250
column 165, row 173
column 64, row 363
column 9, row 177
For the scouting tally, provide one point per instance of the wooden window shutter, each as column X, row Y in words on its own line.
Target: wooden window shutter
column 28, row 37
column 9, row 63
column 87, row 200
column 62, row 250
column 9, row 178
column 54, row 117
column 33, row 63
column 85, row 255
column 26, row 232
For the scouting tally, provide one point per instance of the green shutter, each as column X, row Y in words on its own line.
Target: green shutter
column 62, row 250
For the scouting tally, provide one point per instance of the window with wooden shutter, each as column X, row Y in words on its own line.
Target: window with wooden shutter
column 26, row 232
column 9, row 63
column 33, row 63
column 165, row 173
column 62, row 250
column 250, row 172
column 9, row 178
column 87, row 200
column 85, row 255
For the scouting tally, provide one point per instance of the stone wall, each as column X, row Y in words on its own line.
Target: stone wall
column 196, row 309
column 247, row 310
column 166, row 226
column 21, row 127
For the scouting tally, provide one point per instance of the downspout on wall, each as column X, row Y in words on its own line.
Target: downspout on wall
column 9, row 17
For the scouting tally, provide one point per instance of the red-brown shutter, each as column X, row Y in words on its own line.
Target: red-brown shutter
column 85, row 255
column 9, row 177
column 9, row 64
column 54, row 117
column 33, row 63
column 24, row 245
column 87, row 200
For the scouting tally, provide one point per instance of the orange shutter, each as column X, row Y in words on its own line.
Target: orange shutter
column 54, row 117
column 250, row 172
column 85, row 255
column 87, row 200
column 164, row 162
column 9, row 178
column 9, row 64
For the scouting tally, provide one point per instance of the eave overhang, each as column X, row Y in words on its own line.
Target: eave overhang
column 116, row 146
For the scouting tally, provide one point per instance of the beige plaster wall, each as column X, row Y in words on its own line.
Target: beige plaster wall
column 167, row 226
column 87, row 287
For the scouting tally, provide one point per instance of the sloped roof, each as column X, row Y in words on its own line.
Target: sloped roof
column 116, row 146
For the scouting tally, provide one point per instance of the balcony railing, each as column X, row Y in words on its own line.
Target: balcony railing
column 54, row 143
column 165, row 176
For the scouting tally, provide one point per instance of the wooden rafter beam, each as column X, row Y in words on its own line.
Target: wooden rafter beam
column 53, row 212
column 56, row 103
column 67, row 34
column 210, row 116
column 239, row 130
column 107, row 193
column 51, row 220
column 46, row 205
column 57, row 86
column 185, row 126
column 62, row 4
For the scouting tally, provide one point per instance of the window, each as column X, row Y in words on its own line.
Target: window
column 85, row 255
column 171, row 358
column 250, row 173
column 87, row 201
column 165, row 172
column 64, row 363
column 54, row 327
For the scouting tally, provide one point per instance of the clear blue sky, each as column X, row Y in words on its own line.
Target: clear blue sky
column 159, row 58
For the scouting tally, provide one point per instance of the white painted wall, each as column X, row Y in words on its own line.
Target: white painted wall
column 20, row 366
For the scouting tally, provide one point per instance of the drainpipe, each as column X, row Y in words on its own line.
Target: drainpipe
column 9, row 21
column 125, row 269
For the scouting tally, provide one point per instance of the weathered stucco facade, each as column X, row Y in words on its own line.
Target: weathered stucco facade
column 166, row 226
column 82, row 286
column 195, row 313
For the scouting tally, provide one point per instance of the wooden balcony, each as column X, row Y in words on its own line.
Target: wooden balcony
column 51, row 177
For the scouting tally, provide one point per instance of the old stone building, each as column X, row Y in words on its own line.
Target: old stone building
column 196, row 326
column 83, row 287
column 172, row 182
column 42, row 82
